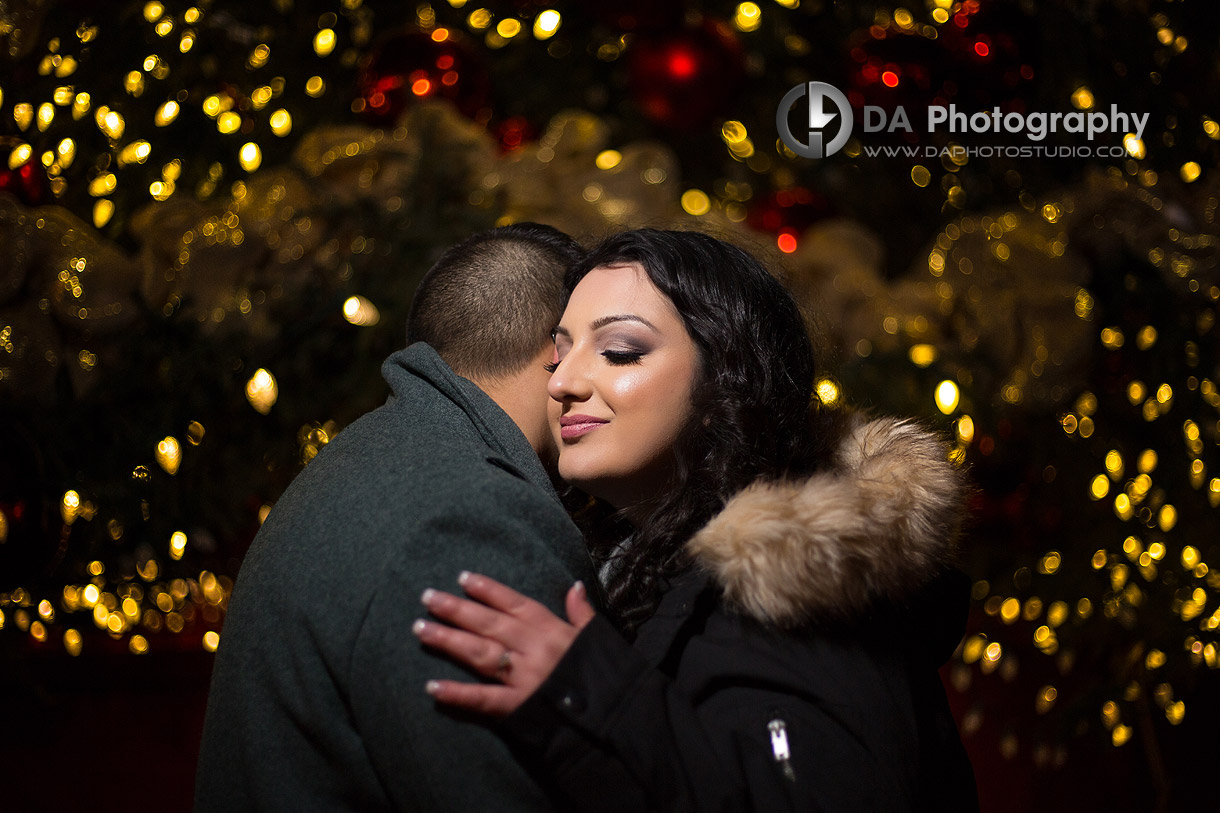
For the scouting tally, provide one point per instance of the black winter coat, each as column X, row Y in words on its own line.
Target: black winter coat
column 794, row 668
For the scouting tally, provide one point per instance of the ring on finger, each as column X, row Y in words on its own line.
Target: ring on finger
column 505, row 664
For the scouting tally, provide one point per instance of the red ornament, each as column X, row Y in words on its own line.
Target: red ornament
column 418, row 65
column 682, row 80
column 513, row 132
column 788, row 212
column 27, row 183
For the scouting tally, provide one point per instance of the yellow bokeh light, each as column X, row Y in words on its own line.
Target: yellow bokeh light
column 103, row 184
column 1009, row 610
column 1134, row 146
column 72, row 642
column 922, row 355
column 748, row 17
column 324, row 42
column 69, row 507
column 177, row 545
column 250, row 156
column 169, row 454
column 46, row 114
column 733, row 132
column 262, row 391
column 696, row 202
column 1049, row 563
column 1167, row 517
column 153, row 11
column 110, row 122
column 136, row 152
column 19, row 155
column 827, row 391
column 947, row 396
column 281, row 122
column 965, row 429
column 1100, row 487
column 166, row 113
column 23, row 114
column 211, row 641
column 66, row 152
column 229, row 122
column 608, row 159
column 361, row 312
column 211, row 106
column 80, row 105
column 258, row 57
column 479, row 19
column 508, row 28
column 1191, row 171
column 1082, row 98
column 138, row 645
column 314, row 86
column 546, row 24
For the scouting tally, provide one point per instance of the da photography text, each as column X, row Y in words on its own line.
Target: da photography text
column 830, row 120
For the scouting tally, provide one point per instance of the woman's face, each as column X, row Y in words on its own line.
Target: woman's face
column 621, row 390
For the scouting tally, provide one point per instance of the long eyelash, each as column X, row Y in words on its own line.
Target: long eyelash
column 551, row 367
column 619, row 357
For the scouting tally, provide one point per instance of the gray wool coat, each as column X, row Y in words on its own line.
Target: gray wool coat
column 317, row 699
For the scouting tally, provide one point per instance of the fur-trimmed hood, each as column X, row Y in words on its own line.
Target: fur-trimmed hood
column 880, row 523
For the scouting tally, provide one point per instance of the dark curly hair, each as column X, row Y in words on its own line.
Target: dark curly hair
column 752, row 412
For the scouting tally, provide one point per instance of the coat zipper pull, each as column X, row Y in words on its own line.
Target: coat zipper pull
column 779, row 747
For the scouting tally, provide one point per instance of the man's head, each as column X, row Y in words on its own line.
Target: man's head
column 488, row 306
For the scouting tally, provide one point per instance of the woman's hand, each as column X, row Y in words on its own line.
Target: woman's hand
column 507, row 636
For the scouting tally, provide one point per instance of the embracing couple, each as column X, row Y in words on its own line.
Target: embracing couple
column 744, row 609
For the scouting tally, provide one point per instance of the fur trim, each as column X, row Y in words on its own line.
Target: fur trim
column 880, row 523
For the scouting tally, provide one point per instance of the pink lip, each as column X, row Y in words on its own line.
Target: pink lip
column 573, row 426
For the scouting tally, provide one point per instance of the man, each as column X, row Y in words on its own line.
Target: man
column 317, row 698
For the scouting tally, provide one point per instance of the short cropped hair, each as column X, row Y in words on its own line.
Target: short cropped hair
column 489, row 303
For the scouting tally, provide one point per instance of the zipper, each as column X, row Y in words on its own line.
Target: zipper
column 780, row 749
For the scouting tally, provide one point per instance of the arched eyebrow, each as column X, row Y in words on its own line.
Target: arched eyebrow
column 601, row 322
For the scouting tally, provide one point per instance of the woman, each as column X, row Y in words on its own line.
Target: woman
column 785, row 578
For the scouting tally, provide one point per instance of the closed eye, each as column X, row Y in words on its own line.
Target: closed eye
column 620, row 357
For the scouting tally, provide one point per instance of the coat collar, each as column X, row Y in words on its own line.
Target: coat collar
column 511, row 450
column 880, row 523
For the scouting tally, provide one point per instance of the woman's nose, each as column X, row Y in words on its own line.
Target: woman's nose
column 570, row 381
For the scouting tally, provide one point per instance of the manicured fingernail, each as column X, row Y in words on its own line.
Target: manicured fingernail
column 463, row 577
column 432, row 686
column 427, row 596
column 419, row 626
column 580, row 586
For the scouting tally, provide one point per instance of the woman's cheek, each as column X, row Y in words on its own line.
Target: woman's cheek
column 631, row 384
